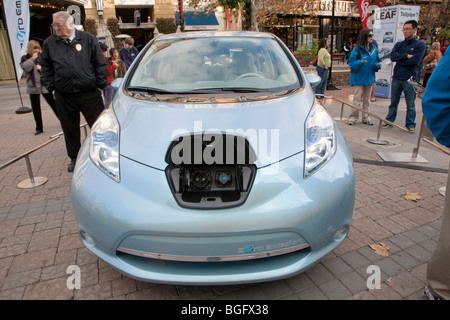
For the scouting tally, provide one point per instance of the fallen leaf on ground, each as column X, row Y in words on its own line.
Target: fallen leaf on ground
column 381, row 249
column 412, row 196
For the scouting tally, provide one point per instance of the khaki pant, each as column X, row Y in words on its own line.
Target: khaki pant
column 438, row 271
column 365, row 92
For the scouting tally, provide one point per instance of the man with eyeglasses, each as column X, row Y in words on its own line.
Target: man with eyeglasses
column 407, row 54
column 74, row 67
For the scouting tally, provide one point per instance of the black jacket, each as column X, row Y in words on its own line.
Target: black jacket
column 77, row 67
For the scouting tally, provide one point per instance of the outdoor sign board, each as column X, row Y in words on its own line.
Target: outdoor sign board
column 17, row 16
column 387, row 30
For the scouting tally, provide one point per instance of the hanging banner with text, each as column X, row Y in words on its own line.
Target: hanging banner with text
column 366, row 9
column 17, row 16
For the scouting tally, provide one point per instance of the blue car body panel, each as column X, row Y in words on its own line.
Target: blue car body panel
column 238, row 117
column 287, row 223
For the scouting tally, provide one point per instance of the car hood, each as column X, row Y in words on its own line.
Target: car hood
column 274, row 127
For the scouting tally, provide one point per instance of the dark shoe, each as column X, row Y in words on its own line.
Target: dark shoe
column 38, row 132
column 351, row 123
column 411, row 130
column 71, row 166
column 368, row 122
column 426, row 293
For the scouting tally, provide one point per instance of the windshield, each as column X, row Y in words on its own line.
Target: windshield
column 214, row 64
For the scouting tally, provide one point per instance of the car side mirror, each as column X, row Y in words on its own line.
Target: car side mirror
column 116, row 84
column 313, row 79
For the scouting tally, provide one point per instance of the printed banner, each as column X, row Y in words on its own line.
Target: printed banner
column 17, row 16
column 366, row 9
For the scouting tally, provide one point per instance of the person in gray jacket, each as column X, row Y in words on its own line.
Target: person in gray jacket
column 30, row 63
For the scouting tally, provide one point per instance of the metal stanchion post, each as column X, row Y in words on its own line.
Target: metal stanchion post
column 414, row 156
column 341, row 118
column 32, row 181
column 377, row 140
column 416, row 149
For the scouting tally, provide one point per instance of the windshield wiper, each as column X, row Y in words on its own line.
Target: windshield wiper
column 240, row 89
column 149, row 90
column 153, row 91
column 228, row 89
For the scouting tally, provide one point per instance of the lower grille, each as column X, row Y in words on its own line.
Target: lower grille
column 243, row 257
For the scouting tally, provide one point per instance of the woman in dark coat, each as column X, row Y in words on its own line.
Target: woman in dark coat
column 30, row 63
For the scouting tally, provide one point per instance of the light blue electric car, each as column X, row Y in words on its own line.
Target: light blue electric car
column 215, row 164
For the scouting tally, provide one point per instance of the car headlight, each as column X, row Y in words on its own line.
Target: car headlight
column 104, row 149
column 320, row 136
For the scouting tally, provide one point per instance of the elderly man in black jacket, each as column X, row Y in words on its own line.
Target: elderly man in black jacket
column 73, row 66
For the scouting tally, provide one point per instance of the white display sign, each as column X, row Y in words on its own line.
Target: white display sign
column 17, row 16
column 387, row 30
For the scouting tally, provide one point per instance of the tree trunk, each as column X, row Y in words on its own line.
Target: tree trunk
column 253, row 10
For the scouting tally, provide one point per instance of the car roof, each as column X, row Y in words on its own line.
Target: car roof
column 216, row 34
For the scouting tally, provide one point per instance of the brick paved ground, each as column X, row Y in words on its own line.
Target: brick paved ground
column 39, row 240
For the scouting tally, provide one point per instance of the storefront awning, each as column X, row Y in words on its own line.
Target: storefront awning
column 198, row 21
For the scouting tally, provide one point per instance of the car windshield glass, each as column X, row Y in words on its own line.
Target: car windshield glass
column 218, row 65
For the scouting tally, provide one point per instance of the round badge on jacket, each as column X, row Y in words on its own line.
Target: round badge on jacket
column 78, row 47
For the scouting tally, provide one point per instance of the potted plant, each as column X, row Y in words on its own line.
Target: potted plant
column 305, row 55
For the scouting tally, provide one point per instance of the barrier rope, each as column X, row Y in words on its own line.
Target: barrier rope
column 415, row 151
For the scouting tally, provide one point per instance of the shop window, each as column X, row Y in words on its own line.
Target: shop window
column 127, row 14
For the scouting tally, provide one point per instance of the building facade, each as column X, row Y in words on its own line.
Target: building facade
column 137, row 18
column 319, row 21
column 337, row 19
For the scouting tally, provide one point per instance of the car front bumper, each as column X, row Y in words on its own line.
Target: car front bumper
column 137, row 227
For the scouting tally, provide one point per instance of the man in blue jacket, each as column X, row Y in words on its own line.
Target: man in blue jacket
column 407, row 54
column 436, row 109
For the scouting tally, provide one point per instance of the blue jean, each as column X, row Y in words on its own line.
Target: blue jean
column 323, row 74
column 418, row 75
column 108, row 94
column 397, row 87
